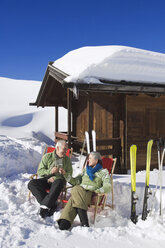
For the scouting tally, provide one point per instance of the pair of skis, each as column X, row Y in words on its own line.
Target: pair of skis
column 88, row 141
column 161, row 153
column 161, row 150
column 147, row 191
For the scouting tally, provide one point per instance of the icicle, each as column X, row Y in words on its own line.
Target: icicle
column 75, row 92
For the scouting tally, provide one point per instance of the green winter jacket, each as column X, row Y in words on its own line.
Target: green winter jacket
column 50, row 160
column 100, row 184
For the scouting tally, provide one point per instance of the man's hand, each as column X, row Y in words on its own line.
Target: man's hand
column 51, row 180
column 54, row 170
column 62, row 171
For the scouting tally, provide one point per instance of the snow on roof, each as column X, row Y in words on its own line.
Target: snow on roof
column 113, row 63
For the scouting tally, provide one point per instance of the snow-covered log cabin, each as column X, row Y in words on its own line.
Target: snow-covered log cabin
column 116, row 90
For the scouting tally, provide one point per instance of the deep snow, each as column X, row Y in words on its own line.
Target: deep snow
column 20, row 153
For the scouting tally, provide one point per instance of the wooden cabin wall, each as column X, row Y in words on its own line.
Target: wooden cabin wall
column 145, row 121
column 108, row 111
column 107, row 115
column 102, row 112
column 102, row 121
column 81, row 116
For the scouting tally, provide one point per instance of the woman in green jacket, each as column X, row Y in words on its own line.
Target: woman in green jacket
column 93, row 179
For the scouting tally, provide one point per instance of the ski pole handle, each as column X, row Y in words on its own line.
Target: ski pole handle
column 158, row 145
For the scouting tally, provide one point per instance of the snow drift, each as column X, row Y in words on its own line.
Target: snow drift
column 113, row 63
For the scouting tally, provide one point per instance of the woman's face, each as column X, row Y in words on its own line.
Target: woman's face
column 92, row 161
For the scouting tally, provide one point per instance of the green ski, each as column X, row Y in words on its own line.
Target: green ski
column 147, row 190
column 134, row 197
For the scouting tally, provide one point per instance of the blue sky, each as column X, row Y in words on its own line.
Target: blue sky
column 33, row 32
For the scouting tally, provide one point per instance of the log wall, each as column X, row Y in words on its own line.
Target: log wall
column 145, row 121
column 105, row 114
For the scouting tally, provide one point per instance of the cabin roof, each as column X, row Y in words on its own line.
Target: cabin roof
column 114, row 69
column 53, row 91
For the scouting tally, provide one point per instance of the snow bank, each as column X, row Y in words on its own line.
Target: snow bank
column 112, row 63
column 19, row 155
column 18, row 119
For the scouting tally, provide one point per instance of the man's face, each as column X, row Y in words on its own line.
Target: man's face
column 61, row 150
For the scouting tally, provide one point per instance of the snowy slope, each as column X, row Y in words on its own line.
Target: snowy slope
column 18, row 119
column 29, row 127
column 20, row 153
column 112, row 63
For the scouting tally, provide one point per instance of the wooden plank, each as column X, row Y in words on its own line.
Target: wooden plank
column 69, row 99
column 56, row 118
column 61, row 136
column 74, row 120
column 105, row 142
column 106, row 152
column 90, row 115
column 81, row 116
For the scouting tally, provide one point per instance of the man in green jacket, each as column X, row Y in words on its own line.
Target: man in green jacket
column 54, row 170
column 93, row 179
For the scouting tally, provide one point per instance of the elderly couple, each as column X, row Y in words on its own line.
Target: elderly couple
column 55, row 170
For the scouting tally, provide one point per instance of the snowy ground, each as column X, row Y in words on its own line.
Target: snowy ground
column 22, row 227
column 20, row 153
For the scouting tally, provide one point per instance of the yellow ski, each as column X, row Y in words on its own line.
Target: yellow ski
column 134, row 198
column 146, row 191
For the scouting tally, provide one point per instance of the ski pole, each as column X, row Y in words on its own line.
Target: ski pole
column 88, row 147
column 154, row 194
column 161, row 166
column 81, row 153
column 159, row 178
